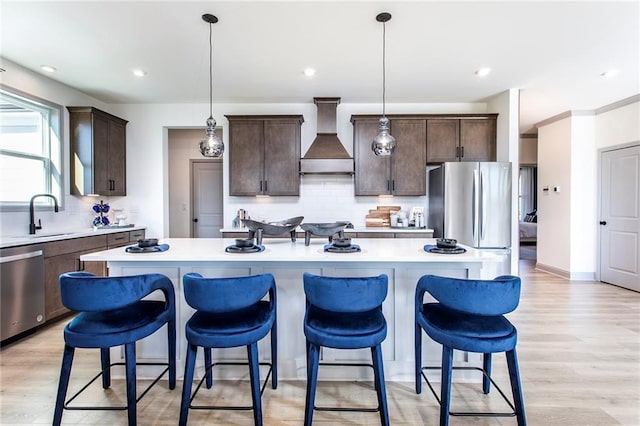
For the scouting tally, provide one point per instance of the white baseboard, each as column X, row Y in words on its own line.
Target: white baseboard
column 571, row 276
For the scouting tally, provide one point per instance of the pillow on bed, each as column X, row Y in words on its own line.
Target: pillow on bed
column 531, row 217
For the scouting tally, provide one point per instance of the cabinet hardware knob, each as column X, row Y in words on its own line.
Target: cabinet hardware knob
column 603, row 222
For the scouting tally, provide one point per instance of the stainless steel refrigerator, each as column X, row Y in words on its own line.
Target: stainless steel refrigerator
column 471, row 202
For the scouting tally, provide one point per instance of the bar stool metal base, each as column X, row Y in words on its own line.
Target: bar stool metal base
column 468, row 413
column 118, row 407
column 347, row 409
column 227, row 407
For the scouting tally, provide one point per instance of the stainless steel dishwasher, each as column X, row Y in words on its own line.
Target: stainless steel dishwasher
column 21, row 289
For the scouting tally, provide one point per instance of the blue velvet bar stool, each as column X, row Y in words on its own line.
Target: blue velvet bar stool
column 345, row 313
column 230, row 312
column 112, row 313
column 469, row 316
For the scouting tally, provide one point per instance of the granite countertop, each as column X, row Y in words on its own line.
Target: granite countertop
column 45, row 237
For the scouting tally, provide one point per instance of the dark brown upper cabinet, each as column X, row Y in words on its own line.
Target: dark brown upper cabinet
column 461, row 139
column 264, row 154
column 98, row 152
column 404, row 172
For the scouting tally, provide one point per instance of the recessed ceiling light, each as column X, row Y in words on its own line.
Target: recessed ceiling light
column 139, row 73
column 483, row 72
column 610, row 73
column 47, row 68
column 309, row 72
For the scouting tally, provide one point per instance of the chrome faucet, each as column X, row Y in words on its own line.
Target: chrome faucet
column 32, row 220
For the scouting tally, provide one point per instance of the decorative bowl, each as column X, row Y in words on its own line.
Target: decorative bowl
column 324, row 229
column 273, row 228
column 148, row 242
column 342, row 242
column 446, row 243
column 244, row 242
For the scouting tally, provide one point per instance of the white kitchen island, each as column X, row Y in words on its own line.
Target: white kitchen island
column 403, row 260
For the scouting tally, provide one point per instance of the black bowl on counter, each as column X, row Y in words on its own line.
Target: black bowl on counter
column 244, row 242
column 342, row 242
column 446, row 243
column 148, row 242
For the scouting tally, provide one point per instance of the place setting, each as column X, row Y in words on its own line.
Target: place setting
column 445, row 246
column 147, row 245
column 341, row 245
column 244, row 245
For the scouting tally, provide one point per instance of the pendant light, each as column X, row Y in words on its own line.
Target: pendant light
column 383, row 144
column 211, row 144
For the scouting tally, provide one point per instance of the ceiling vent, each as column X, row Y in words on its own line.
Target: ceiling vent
column 326, row 155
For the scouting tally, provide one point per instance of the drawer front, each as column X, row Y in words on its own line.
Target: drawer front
column 118, row 239
column 57, row 248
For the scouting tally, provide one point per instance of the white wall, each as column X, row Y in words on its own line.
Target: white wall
column 554, row 208
column 584, row 186
column 528, row 151
column 618, row 126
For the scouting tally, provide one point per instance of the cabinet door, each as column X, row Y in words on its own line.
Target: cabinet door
column 281, row 158
column 373, row 174
column 245, row 157
column 58, row 265
column 478, row 140
column 409, row 166
column 101, row 184
column 117, row 155
column 442, row 140
column 53, row 268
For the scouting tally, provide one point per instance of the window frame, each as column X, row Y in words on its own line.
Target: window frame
column 53, row 158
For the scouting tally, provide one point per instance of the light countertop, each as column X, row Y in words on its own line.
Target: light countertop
column 362, row 229
column 45, row 237
column 284, row 250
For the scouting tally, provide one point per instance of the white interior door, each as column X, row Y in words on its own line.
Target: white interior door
column 620, row 217
column 207, row 203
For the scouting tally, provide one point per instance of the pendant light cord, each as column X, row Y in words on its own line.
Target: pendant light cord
column 210, row 71
column 384, row 84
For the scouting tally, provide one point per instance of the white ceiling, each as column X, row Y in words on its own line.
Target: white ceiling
column 554, row 52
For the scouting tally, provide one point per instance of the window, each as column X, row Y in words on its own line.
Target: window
column 30, row 150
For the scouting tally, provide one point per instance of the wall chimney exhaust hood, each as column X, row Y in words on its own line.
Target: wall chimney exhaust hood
column 326, row 155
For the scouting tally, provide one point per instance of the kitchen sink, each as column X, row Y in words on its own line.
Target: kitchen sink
column 41, row 235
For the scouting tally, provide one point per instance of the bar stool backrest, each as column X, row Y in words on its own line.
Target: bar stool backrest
column 479, row 297
column 225, row 294
column 85, row 292
column 345, row 294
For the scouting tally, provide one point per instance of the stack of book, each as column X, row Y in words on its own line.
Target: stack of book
column 381, row 216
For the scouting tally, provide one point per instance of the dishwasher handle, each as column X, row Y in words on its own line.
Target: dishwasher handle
column 16, row 257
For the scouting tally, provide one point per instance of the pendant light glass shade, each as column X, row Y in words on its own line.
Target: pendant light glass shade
column 211, row 144
column 383, row 144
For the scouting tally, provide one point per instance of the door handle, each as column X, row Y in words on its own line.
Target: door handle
column 603, row 222
column 195, row 220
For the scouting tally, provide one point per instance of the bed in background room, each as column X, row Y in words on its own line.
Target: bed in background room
column 529, row 228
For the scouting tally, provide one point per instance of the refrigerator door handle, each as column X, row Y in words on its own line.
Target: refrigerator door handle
column 481, row 209
column 474, row 202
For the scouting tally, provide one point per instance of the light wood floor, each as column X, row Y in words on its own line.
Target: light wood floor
column 578, row 347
